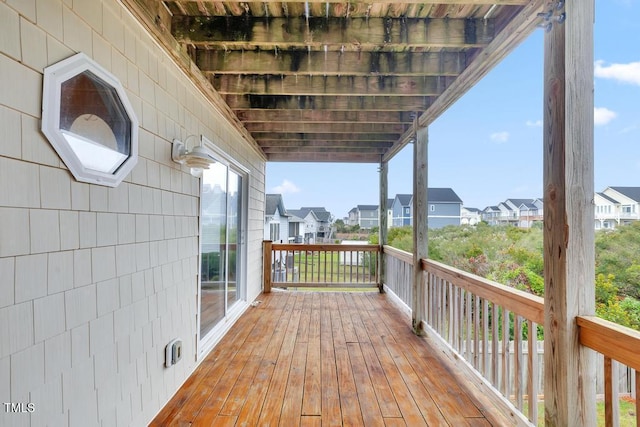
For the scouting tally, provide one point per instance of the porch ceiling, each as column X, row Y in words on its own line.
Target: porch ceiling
column 336, row 81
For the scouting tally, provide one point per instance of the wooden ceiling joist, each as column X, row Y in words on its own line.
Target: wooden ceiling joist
column 261, row 137
column 328, row 86
column 335, row 103
column 335, row 150
column 249, row 116
column 360, row 145
column 293, row 156
column 333, row 34
column 324, row 127
column 313, row 63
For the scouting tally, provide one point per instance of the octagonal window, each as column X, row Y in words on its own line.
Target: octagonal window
column 89, row 121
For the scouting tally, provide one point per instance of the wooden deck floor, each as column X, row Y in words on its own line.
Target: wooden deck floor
column 330, row 359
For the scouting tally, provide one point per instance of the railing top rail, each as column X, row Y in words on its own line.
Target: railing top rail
column 336, row 247
column 398, row 253
column 610, row 339
column 529, row 306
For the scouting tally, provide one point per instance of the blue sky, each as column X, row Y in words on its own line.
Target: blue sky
column 488, row 146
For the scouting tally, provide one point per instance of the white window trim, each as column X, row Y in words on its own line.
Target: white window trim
column 54, row 76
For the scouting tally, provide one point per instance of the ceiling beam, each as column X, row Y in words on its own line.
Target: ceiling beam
column 314, row 63
column 323, row 116
column 290, row 127
column 325, row 157
column 334, row 34
column 360, row 145
column 262, row 137
column 327, row 86
column 345, row 103
column 335, row 150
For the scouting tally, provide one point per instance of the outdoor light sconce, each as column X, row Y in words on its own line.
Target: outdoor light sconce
column 87, row 118
column 198, row 158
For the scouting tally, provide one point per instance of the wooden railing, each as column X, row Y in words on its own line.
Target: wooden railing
column 322, row 265
column 484, row 322
column 617, row 344
column 399, row 273
column 492, row 326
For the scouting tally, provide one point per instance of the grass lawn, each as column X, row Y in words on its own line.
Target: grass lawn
column 627, row 413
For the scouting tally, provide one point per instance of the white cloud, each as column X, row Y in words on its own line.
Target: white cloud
column 602, row 116
column 534, row 124
column 499, row 137
column 623, row 73
column 629, row 129
column 287, row 187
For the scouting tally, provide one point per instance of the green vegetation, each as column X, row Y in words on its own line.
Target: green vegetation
column 513, row 256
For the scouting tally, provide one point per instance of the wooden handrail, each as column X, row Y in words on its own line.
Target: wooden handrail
column 610, row 339
column 522, row 303
column 403, row 256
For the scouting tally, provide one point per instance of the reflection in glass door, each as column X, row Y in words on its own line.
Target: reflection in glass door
column 221, row 208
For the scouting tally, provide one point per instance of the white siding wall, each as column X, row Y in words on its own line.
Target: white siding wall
column 95, row 281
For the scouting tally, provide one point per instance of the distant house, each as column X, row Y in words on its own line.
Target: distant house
column 317, row 223
column 491, row 215
column 445, row 208
column 365, row 216
column 401, row 210
column 616, row 206
column 276, row 220
column 517, row 212
column 531, row 213
column 470, row 216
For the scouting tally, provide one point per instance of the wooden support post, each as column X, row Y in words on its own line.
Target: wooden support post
column 420, row 226
column 266, row 260
column 382, row 214
column 569, row 260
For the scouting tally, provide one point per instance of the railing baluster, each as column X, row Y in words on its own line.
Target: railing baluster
column 485, row 338
column 452, row 314
column 468, row 327
column 505, row 352
column 532, row 371
column 517, row 364
column 476, row 333
column 495, row 339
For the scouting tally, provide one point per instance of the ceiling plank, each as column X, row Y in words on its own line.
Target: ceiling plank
column 325, row 157
column 297, row 62
column 276, row 136
column 323, row 116
column 345, row 103
column 316, row 149
column 327, row 144
column 334, row 34
column 324, row 127
column 319, row 85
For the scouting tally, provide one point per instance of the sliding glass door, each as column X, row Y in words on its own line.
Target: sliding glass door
column 222, row 260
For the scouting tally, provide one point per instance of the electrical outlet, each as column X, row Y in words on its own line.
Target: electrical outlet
column 172, row 352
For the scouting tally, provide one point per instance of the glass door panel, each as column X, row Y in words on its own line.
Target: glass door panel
column 213, row 247
column 234, row 233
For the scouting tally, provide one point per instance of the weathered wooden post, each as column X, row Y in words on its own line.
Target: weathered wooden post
column 420, row 226
column 266, row 260
column 569, row 260
column 383, row 225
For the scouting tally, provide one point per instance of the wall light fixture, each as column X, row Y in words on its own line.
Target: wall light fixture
column 198, row 158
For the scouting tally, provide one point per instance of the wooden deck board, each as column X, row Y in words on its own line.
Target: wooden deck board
column 324, row 359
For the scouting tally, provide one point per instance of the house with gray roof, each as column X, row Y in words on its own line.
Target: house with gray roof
column 276, row 219
column 365, row 216
column 317, row 223
column 616, row 206
column 444, row 209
